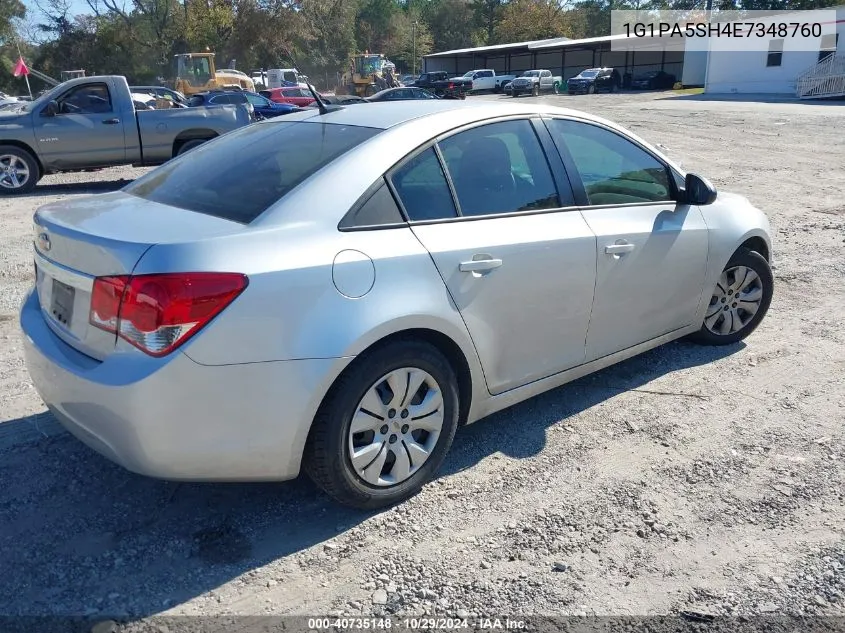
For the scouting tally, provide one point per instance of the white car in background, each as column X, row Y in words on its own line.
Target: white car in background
column 7, row 99
column 486, row 79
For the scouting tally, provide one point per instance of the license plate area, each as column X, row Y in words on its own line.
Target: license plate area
column 61, row 302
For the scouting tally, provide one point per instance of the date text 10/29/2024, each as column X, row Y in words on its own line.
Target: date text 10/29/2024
column 421, row 623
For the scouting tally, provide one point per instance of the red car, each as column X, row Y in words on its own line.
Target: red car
column 296, row 95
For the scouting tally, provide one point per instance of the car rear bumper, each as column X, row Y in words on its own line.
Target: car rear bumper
column 173, row 418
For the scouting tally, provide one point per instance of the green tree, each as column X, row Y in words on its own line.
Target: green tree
column 524, row 20
column 454, row 24
column 408, row 40
column 10, row 11
column 488, row 15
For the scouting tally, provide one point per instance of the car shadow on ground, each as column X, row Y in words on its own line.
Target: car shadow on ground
column 79, row 534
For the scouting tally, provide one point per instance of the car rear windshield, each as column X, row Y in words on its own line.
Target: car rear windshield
column 238, row 176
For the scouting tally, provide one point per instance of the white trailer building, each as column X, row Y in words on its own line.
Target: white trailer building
column 811, row 67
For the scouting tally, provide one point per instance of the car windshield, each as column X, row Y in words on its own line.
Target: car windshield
column 588, row 74
column 238, row 176
column 531, row 73
column 648, row 75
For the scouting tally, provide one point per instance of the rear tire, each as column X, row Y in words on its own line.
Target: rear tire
column 19, row 171
column 187, row 146
column 328, row 457
column 739, row 301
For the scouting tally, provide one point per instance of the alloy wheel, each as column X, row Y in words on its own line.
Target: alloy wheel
column 14, row 172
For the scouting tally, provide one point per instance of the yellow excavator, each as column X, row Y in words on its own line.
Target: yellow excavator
column 195, row 72
column 367, row 74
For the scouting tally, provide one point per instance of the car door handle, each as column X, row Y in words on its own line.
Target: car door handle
column 615, row 249
column 114, row 121
column 480, row 265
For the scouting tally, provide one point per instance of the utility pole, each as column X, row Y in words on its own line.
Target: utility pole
column 414, row 59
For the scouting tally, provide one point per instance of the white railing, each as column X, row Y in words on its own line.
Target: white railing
column 824, row 79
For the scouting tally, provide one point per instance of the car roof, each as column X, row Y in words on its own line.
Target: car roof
column 441, row 113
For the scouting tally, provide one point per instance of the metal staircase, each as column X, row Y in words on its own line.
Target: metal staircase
column 825, row 79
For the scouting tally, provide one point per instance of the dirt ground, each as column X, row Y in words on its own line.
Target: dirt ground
column 687, row 479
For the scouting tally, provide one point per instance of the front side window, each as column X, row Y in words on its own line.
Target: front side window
column 86, row 99
column 269, row 161
column 613, row 169
column 499, row 168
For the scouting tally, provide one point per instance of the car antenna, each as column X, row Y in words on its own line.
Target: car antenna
column 323, row 107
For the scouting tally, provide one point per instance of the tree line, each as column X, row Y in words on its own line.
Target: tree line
column 138, row 38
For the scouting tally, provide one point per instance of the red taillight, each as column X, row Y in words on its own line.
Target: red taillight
column 451, row 85
column 157, row 313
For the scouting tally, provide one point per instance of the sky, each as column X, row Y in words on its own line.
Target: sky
column 77, row 6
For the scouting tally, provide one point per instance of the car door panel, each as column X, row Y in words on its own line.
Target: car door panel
column 528, row 312
column 522, row 281
column 88, row 131
column 652, row 285
column 651, row 252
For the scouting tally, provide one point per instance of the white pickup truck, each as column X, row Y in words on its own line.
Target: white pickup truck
column 486, row 79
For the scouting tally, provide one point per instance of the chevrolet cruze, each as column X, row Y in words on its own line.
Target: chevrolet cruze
column 339, row 290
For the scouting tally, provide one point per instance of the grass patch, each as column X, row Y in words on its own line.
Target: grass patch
column 687, row 91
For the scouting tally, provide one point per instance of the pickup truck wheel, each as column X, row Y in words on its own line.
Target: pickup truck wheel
column 18, row 170
column 536, row 90
column 187, row 146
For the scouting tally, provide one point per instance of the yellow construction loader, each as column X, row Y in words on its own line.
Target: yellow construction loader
column 367, row 74
column 195, row 72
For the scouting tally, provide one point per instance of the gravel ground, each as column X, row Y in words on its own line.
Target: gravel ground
column 687, row 479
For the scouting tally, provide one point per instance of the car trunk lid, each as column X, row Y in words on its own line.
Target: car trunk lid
column 78, row 240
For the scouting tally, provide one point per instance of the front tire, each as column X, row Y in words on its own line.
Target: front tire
column 591, row 89
column 19, row 170
column 385, row 427
column 740, row 300
column 536, row 90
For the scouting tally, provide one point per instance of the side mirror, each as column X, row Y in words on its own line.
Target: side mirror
column 51, row 109
column 698, row 190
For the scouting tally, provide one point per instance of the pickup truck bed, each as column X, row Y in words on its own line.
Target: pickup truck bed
column 91, row 122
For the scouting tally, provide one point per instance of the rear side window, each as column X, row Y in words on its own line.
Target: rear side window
column 499, row 168
column 238, row 176
column 379, row 210
column 422, row 188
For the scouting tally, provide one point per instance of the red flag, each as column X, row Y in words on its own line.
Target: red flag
column 20, row 68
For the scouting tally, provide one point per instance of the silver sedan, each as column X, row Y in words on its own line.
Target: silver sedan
column 340, row 291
